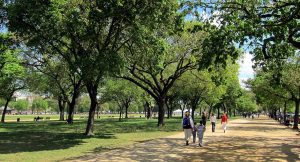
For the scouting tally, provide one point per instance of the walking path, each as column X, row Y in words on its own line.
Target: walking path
column 245, row 140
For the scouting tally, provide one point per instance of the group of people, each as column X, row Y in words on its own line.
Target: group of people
column 191, row 128
column 250, row 115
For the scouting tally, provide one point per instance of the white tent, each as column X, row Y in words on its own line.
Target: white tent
column 179, row 112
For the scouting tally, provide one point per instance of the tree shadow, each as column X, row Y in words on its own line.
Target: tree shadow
column 28, row 141
column 216, row 149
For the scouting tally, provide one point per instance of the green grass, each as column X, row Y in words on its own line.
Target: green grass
column 55, row 140
column 30, row 117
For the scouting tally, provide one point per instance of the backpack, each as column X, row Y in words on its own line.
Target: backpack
column 186, row 123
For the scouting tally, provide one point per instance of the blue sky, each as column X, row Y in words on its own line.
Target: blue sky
column 245, row 71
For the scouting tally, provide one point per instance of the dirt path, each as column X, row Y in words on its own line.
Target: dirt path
column 246, row 140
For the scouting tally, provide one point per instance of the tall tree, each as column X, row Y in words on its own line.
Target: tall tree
column 122, row 92
column 12, row 77
column 192, row 87
column 21, row 105
column 90, row 43
column 154, row 63
column 256, row 22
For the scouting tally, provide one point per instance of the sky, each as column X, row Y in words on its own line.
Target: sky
column 245, row 71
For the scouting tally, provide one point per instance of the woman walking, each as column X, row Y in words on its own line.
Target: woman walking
column 213, row 122
column 224, row 121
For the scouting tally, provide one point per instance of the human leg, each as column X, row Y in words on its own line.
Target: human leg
column 213, row 125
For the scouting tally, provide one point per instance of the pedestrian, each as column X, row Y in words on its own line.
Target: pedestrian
column 224, row 121
column 201, row 130
column 188, row 125
column 213, row 122
column 204, row 118
column 194, row 132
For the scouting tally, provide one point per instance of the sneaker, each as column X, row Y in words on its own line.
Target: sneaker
column 200, row 145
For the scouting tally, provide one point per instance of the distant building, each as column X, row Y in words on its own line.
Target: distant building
column 21, row 95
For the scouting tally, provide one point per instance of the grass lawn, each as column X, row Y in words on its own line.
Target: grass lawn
column 55, row 140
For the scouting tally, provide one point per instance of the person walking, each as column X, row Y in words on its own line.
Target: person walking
column 204, row 118
column 187, row 125
column 224, row 121
column 194, row 132
column 201, row 129
column 213, row 122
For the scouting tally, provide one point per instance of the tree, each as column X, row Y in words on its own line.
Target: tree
column 258, row 23
column 154, row 63
column 90, row 43
column 21, row 105
column 192, row 87
column 246, row 102
column 233, row 88
column 291, row 82
column 12, row 75
column 52, row 76
column 83, row 104
column 285, row 88
column 39, row 104
column 122, row 92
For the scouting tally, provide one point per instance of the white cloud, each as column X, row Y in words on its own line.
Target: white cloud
column 245, row 71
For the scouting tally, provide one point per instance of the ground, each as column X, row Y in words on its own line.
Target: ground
column 260, row 139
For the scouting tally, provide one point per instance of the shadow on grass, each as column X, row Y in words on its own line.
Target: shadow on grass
column 24, row 141
column 56, row 135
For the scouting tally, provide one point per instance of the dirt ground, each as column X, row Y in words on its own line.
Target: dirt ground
column 260, row 139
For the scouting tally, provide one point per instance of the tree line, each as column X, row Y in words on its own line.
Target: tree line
column 117, row 50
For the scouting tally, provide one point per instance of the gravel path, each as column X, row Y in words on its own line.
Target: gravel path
column 245, row 140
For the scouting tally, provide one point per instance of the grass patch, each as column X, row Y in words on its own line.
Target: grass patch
column 56, row 140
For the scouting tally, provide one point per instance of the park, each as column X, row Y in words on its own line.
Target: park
column 158, row 80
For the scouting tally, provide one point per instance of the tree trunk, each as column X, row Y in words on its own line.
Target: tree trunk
column 92, row 90
column 4, row 111
column 194, row 106
column 218, row 112
column 98, row 109
column 161, row 111
column 234, row 110
column 120, row 110
column 149, row 112
column 126, row 112
column 200, row 111
column 61, row 106
column 72, row 104
column 296, row 117
column 210, row 109
column 284, row 112
column 224, row 106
